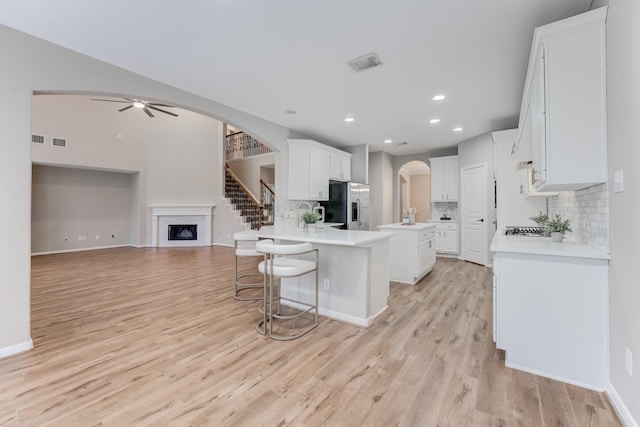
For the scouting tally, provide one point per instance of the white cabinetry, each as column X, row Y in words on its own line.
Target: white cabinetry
column 562, row 129
column 308, row 171
column 528, row 190
column 312, row 165
column 444, row 179
column 411, row 251
column 340, row 166
column 446, row 235
column 550, row 316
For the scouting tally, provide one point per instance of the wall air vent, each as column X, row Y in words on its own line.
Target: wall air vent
column 37, row 139
column 398, row 144
column 59, row 142
column 364, row 62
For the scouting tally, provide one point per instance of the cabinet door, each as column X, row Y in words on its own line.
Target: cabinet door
column 450, row 184
column 298, row 171
column 437, row 180
column 319, row 165
column 346, row 167
column 439, row 239
column 450, row 241
column 424, row 255
column 335, row 166
column 538, row 122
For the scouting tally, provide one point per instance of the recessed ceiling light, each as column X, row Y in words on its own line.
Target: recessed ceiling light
column 434, row 121
column 388, row 141
column 438, row 97
column 349, row 119
column 458, row 129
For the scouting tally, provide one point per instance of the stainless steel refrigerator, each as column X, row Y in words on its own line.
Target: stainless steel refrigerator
column 348, row 204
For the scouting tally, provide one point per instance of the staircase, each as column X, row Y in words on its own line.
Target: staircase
column 251, row 210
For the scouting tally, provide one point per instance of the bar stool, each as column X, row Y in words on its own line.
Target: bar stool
column 276, row 265
column 245, row 246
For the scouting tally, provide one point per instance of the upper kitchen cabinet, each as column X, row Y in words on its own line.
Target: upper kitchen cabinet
column 308, row 170
column 312, row 165
column 340, row 166
column 562, row 129
column 444, row 179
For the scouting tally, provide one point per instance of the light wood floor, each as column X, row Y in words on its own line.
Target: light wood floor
column 152, row 337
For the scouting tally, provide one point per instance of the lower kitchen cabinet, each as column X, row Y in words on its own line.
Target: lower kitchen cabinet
column 412, row 252
column 550, row 316
column 446, row 235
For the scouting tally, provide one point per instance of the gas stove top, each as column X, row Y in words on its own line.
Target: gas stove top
column 524, row 231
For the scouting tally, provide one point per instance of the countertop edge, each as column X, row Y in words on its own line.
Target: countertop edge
column 500, row 244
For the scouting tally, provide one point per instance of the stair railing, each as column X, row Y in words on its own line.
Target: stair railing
column 267, row 196
column 239, row 145
column 244, row 201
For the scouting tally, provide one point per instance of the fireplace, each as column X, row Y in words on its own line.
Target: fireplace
column 174, row 226
column 183, row 232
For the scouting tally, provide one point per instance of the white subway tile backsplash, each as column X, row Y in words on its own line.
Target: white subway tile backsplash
column 588, row 211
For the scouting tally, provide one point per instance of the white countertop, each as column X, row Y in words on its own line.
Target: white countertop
column 326, row 235
column 444, row 220
column 543, row 246
column 401, row 226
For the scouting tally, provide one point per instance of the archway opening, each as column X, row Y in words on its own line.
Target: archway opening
column 414, row 180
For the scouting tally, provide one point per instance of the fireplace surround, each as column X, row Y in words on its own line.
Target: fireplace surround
column 195, row 217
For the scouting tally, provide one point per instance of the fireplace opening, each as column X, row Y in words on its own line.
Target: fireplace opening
column 183, row 232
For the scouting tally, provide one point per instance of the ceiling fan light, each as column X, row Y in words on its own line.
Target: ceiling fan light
column 138, row 104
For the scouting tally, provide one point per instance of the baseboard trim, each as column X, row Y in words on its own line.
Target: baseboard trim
column 224, row 245
column 16, row 349
column 81, row 249
column 555, row 377
column 618, row 405
column 336, row 315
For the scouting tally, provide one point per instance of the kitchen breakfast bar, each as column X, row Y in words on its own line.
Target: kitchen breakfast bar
column 353, row 271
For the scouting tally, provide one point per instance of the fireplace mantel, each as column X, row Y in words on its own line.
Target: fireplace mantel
column 163, row 216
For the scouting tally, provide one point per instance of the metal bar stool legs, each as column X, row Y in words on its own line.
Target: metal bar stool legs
column 245, row 246
column 275, row 266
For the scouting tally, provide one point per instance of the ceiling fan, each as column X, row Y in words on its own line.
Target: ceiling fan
column 145, row 106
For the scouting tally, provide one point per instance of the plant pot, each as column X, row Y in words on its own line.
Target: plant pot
column 556, row 236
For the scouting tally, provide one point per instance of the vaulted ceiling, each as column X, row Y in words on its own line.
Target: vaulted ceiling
column 286, row 60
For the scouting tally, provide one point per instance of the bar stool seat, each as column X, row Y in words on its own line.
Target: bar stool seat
column 276, row 265
column 245, row 246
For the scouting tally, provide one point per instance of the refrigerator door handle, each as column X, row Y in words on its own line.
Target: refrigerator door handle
column 359, row 212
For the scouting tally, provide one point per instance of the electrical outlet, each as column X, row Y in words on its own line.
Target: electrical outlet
column 82, row 238
column 326, row 284
column 628, row 361
column 97, row 237
column 618, row 181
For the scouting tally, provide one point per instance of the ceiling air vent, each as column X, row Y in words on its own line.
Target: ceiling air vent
column 38, row 139
column 59, row 142
column 398, row 144
column 364, row 62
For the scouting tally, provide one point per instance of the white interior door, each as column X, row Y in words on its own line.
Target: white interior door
column 474, row 214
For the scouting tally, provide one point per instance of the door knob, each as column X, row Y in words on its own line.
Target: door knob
column 480, row 220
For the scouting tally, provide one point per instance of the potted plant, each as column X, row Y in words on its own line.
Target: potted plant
column 309, row 217
column 557, row 227
column 540, row 219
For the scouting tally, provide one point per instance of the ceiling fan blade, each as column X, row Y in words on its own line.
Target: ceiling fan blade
column 146, row 110
column 126, row 108
column 161, row 110
column 108, row 100
column 155, row 104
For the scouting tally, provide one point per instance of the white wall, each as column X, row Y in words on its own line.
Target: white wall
column 175, row 156
column 623, row 111
column 29, row 65
column 513, row 208
column 381, row 206
column 249, row 171
column 69, row 203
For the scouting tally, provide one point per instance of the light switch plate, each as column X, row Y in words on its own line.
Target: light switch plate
column 618, row 181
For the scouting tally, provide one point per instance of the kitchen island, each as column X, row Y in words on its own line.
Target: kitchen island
column 412, row 251
column 353, row 271
column 551, row 308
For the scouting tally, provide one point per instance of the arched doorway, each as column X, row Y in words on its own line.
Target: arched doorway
column 414, row 180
